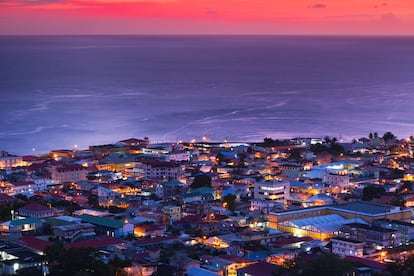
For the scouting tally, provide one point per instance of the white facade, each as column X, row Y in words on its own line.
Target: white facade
column 345, row 247
column 10, row 161
column 173, row 213
column 178, row 156
column 272, row 190
column 37, row 185
column 340, row 179
column 264, row 206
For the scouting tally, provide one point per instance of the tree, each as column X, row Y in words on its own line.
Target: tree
column 371, row 191
column 325, row 264
column 296, row 154
column 229, row 201
column 93, row 201
column 388, row 136
column 370, row 136
column 201, row 180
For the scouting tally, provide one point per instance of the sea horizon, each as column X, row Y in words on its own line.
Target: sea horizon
column 64, row 90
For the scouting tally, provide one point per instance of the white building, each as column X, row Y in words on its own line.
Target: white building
column 272, row 190
column 346, row 247
column 173, row 213
column 340, row 178
column 264, row 206
column 9, row 161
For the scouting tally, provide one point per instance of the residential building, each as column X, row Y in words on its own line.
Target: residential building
column 73, row 232
column 347, row 247
column 272, row 190
column 9, row 161
column 376, row 236
column 35, row 210
column 173, row 213
column 109, row 227
column 69, row 173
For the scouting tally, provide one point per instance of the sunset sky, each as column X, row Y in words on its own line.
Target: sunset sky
column 361, row 17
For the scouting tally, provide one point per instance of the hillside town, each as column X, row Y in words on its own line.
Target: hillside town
column 201, row 208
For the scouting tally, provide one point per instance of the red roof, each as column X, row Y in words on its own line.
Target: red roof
column 33, row 243
column 259, row 269
column 35, row 207
column 101, row 242
column 367, row 262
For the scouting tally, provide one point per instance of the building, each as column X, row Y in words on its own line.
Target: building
column 301, row 221
column 405, row 229
column 109, row 227
column 346, row 247
column 272, row 190
column 375, row 236
column 154, row 169
column 227, row 265
column 35, row 210
column 73, row 232
column 258, row 269
column 173, row 213
column 14, row 229
column 10, row 161
column 264, row 206
column 38, row 185
column 69, row 173
column 339, row 178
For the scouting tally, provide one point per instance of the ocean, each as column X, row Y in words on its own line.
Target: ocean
column 61, row 91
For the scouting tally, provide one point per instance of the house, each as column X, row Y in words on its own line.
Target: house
column 347, row 247
column 172, row 213
column 69, row 173
column 405, row 229
column 13, row 229
column 227, row 264
column 32, row 243
column 149, row 230
column 9, row 161
column 155, row 169
column 373, row 235
column 29, row 187
column 35, row 210
column 272, row 190
column 15, row 257
column 73, row 232
column 109, row 227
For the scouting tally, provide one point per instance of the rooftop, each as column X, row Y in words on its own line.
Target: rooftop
column 259, row 269
column 32, row 243
column 35, row 207
column 101, row 242
column 364, row 207
column 107, row 222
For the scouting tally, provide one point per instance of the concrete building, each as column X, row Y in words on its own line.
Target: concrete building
column 272, row 190
column 375, row 236
column 360, row 211
column 173, row 213
column 346, row 247
column 69, row 173
column 10, row 161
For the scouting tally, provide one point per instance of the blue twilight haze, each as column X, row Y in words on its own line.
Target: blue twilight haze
column 58, row 91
